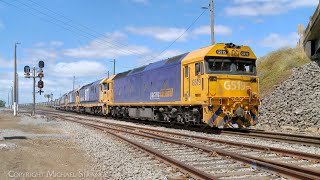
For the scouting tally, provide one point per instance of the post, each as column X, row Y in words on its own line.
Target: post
column 34, row 91
column 212, row 21
column 73, row 82
column 15, row 81
column 17, row 92
column 114, row 67
column 9, row 99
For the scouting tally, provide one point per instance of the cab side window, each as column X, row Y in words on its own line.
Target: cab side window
column 201, row 68
column 187, row 72
column 197, row 69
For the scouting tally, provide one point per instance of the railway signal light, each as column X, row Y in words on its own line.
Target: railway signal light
column 40, row 75
column 27, row 71
column 41, row 64
column 40, row 84
column 36, row 73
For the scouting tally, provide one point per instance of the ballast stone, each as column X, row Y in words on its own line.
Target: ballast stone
column 295, row 102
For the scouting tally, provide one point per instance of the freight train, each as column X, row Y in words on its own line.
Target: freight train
column 214, row 86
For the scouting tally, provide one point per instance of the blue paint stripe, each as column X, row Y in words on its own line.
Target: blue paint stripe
column 215, row 115
column 254, row 117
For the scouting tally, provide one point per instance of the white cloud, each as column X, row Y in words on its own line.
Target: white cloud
column 276, row 41
column 4, row 63
column 56, row 43
column 107, row 46
column 266, row 7
column 141, row 1
column 79, row 69
column 159, row 33
column 218, row 29
column 41, row 53
column 169, row 34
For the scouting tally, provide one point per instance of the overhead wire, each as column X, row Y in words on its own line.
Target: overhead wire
column 187, row 29
column 69, row 27
column 85, row 34
column 84, row 26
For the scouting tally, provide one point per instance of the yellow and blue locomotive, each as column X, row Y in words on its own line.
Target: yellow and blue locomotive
column 215, row 86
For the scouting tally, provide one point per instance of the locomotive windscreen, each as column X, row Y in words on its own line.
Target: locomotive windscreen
column 230, row 66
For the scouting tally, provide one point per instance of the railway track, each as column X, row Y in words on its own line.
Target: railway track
column 292, row 138
column 256, row 134
column 207, row 158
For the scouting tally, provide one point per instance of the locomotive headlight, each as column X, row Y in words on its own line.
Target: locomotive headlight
column 235, row 52
column 254, row 95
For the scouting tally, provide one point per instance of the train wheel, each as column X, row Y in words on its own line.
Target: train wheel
column 172, row 122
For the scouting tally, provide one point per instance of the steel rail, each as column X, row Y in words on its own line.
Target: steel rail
column 185, row 168
column 286, row 169
column 306, row 140
column 302, row 155
column 300, row 139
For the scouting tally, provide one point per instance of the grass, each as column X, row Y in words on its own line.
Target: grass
column 277, row 66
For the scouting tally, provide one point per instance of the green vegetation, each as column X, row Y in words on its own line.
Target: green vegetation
column 277, row 66
column 2, row 103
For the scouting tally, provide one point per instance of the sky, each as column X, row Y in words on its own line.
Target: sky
column 82, row 37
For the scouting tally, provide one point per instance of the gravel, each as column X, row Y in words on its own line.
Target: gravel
column 109, row 158
column 234, row 138
column 113, row 158
column 295, row 103
column 7, row 146
column 33, row 121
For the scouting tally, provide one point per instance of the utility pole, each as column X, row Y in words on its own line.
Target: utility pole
column 11, row 97
column 114, row 67
column 212, row 21
column 17, row 93
column 15, row 81
column 34, row 91
column 108, row 74
column 74, row 79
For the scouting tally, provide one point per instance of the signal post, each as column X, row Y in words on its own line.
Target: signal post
column 35, row 75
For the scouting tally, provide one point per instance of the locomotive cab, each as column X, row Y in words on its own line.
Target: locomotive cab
column 225, row 80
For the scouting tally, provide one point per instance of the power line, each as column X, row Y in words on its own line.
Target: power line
column 85, row 34
column 84, row 26
column 69, row 27
column 165, row 49
column 77, row 28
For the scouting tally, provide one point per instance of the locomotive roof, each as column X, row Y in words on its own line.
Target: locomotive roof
column 151, row 66
column 213, row 50
column 90, row 84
